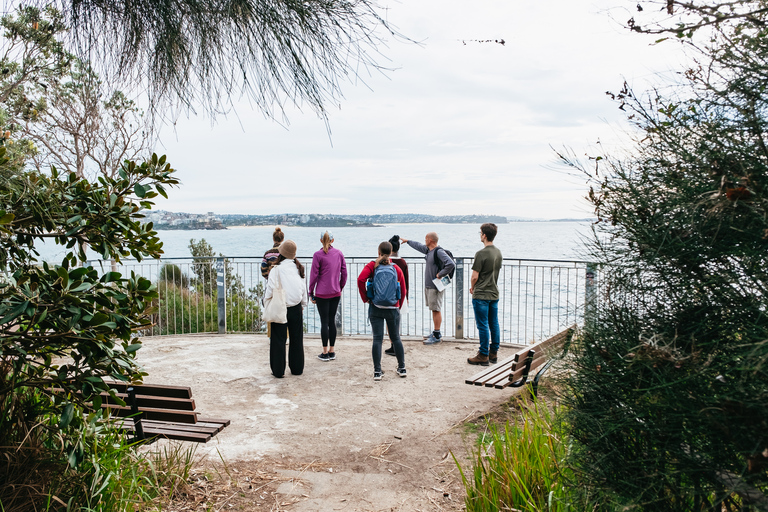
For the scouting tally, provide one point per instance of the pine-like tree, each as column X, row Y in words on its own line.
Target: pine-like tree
column 669, row 394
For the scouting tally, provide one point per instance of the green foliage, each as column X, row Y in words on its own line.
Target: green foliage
column 65, row 326
column 272, row 51
column 33, row 61
column 113, row 475
column 205, row 269
column 669, row 400
column 522, row 466
column 172, row 274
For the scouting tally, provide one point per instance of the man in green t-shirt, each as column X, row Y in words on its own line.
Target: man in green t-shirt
column 485, row 296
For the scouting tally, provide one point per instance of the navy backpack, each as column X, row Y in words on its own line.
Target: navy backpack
column 383, row 288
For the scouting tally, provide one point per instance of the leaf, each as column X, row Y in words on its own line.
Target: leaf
column 139, row 190
column 110, row 277
column 133, row 348
column 8, row 218
column 67, row 415
column 15, row 312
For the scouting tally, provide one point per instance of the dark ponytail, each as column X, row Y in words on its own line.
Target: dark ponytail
column 299, row 266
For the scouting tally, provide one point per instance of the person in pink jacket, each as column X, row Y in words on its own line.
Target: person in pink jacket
column 326, row 280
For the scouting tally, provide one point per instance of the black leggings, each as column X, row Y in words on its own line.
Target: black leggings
column 326, row 308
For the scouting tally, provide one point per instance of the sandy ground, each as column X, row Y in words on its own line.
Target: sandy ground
column 341, row 440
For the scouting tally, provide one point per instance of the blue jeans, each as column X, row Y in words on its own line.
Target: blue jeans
column 487, row 321
column 377, row 318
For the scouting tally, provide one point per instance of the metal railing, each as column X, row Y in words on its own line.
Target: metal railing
column 538, row 298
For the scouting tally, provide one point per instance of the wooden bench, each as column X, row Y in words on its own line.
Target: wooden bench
column 152, row 411
column 515, row 370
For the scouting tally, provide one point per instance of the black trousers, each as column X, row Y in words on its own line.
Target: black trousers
column 277, row 340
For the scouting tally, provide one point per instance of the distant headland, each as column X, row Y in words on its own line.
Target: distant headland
column 164, row 220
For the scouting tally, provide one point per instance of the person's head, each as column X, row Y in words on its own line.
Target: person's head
column 430, row 240
column 287, row 249
column 326, row 239
column 489, row 229
column 395, row 241
column 278, row 235
column 385, row 251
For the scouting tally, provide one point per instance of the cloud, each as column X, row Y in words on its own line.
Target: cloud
column 459, row 126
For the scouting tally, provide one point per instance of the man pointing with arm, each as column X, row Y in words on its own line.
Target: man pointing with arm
column 433, row 296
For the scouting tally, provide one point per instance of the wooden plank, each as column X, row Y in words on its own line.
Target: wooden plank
column 181, row 404
column 152, row 389
column 207, row 426
column 504, row 376
column 225, row 423
column 156, row 414
column 172, row 431
column 504, row 365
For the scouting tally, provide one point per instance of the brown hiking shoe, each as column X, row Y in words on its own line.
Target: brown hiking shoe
column 478, row 359
column 493, row 357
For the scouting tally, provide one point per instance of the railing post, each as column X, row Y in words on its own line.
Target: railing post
column 221, row 292
column 590, row 297
column 459, row 302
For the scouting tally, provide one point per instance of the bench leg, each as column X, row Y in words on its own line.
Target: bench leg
column 138, row 428
column 526, row 370
column 535, row 384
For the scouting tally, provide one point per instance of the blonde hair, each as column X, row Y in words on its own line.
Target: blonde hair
column 326, row 240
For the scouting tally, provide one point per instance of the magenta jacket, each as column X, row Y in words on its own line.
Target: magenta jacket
column 328, row 275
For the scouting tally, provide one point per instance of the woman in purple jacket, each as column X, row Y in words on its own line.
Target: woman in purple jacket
column 326, row 280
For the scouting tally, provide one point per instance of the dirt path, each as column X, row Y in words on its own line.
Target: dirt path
column 332, row 438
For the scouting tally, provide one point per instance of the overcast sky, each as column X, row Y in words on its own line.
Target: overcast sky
column 459, row 127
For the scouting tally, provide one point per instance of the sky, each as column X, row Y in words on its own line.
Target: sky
column 457, row 127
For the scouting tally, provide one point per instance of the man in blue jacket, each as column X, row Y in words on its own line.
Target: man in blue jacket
column 434, row 297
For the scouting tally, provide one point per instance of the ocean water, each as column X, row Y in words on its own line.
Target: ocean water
column 518, row 240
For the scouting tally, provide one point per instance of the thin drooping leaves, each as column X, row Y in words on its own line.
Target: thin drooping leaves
column 210, row 53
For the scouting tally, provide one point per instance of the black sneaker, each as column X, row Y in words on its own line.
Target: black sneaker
column 324, row 357
column 331, row 356
column 401, row 372
column 378, row 375
column 390, row 351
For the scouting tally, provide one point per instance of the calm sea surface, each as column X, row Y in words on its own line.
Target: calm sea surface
column 518, row 240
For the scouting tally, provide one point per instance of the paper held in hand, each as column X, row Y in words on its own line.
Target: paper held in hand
column 442, row 283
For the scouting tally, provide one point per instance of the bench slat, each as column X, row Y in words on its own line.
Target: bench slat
column 152, row 389
column 154, row 414
column 182, row 404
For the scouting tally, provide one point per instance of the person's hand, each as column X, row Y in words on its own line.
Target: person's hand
column 313, row 300
column 471, row 290
column 403, row 240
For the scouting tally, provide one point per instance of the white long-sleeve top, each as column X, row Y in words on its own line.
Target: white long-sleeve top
column 293, row 284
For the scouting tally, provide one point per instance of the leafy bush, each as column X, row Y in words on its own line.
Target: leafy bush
column 182, row 311
column 170, row 273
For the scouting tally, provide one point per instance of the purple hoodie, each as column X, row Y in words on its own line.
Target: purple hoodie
column 328, row 275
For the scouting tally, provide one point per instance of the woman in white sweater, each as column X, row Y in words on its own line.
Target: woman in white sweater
column 290, row 273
